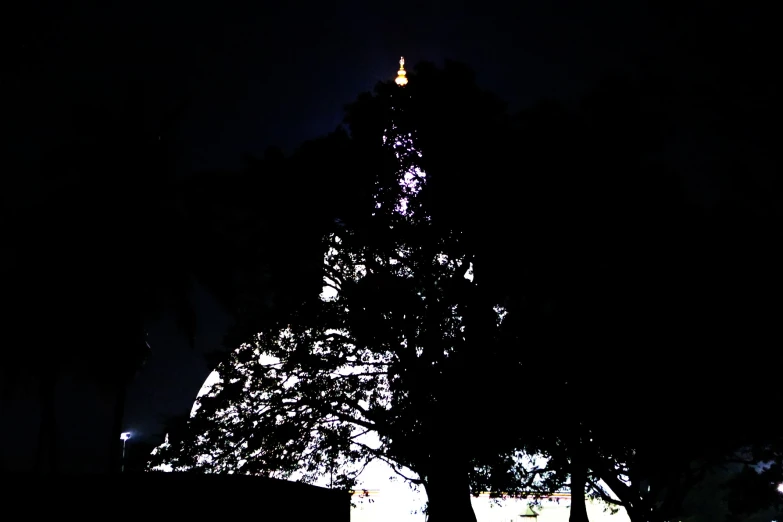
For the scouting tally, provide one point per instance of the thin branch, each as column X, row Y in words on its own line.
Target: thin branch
column 366, row 431
column 621, row 490
column 273, row 366
column 392, row 464
column 359, row 422
column 334, row 274
column 334, row 335
column 363, row 374
column 364, row 465
column 337, row 288
column 359, row 363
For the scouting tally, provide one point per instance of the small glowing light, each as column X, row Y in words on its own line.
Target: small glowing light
column 125, row 436
column 401, row 79
column 780, row 487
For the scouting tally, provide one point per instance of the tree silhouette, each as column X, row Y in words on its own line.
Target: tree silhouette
column 670, row 292
column 578, row 233
column 382, row 365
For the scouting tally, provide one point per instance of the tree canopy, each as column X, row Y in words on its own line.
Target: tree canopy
column 465, row 249
column 389, row 350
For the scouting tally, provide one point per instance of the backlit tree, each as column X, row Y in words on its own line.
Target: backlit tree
column 388, row 363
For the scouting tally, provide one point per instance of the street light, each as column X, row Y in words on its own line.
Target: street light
column 124, row 438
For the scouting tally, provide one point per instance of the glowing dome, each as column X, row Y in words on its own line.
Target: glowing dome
column 401, row 79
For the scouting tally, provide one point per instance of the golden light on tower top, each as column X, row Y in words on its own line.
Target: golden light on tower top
column 401, row 79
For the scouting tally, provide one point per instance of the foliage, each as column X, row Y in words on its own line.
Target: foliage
column 383, row 364
column 576, row 233
column 669, row 290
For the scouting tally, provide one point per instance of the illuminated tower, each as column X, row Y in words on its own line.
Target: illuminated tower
column 401, row 79
column 400, row 199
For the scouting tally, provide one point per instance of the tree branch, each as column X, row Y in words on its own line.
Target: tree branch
column 337, row 288
column 334, row 274
column 392, row 464
column 359, row 422
column 334, row 335
column 362, row 374
column 623, row 492
column 602, row 493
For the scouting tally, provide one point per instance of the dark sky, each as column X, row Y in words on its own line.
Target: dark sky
column 259, row 73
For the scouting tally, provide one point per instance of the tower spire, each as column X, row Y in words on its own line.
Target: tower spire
column 401, row 79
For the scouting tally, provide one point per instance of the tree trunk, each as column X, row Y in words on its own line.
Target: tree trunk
column 448, row 492
column 578, row 480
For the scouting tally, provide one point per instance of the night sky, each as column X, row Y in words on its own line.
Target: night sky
column 257, row 74
column 228, row 60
